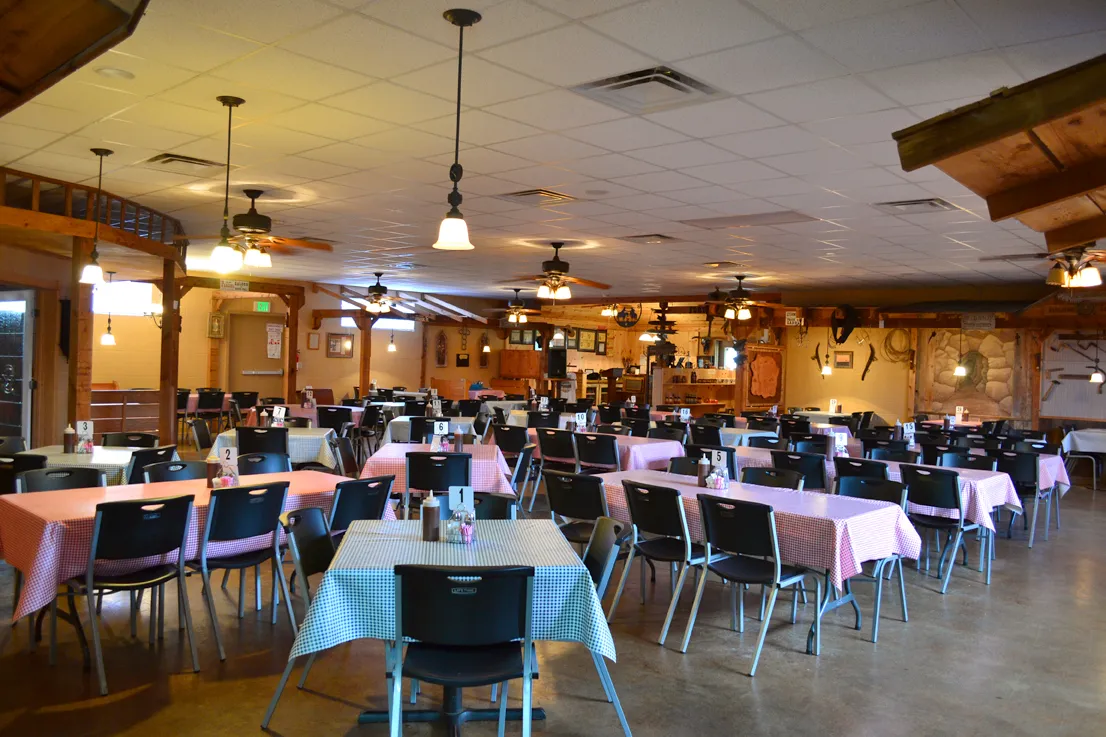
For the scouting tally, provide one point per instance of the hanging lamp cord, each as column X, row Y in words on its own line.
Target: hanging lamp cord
column 455, row 171
column 225, row 232
column 99, row 188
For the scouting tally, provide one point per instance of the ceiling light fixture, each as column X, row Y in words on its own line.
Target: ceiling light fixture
column 392, row 343
column 114, row 73
column 225, row 258
column 1088, row 276
column 486, row 348
column 744, row 313
column 378, row 301
column 1097, row 377
column 961, row 369
column 827, row 370
column 453, row 235
column 558, row 334
column 92, row 273
column 257, row 257
column 107, row 338
column 649, row 338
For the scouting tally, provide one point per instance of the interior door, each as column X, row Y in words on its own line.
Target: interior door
column 251, row 369
column 16, row 352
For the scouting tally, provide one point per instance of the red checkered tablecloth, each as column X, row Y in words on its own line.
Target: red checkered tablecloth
column 981, row 492
column 633, row 453
column 490, row 471
column 820, row 531
column 46, row 535
column 762, row 458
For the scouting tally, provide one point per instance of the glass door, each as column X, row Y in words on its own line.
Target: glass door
column 16, row 350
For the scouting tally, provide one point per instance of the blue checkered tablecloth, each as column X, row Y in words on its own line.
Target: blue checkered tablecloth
column 356, row 598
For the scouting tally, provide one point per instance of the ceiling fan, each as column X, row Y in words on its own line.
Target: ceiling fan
column 554, row 279
column 516, row 309
column 736, row 303
column 1072, row 267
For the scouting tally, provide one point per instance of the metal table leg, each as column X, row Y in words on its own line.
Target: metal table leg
column 831, row 601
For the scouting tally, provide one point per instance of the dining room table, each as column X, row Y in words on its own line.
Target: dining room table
column 114, row 462
column 250, row 417
column 305, row 445
column 739, row 436
column 830, row 534
column 633, row 452
column 490, row 471
column 520, row 418
column 399, row 429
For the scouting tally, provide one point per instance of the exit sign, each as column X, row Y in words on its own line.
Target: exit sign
column 261, row 306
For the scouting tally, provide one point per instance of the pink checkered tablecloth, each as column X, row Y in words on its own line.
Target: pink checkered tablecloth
column 295, row 410
column 981, row 492
column 762, row 458
column 478, row 393
column 47, row 535
column 820, row 531
column 824, row 428
column 490, row 471
column 1051, row 469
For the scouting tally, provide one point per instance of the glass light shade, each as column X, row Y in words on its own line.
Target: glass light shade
column 558, row 334
column 744, row 314
column 563, row 292
column 960, row 371
column 92, row 274
column 544, row 292
column 648, row 338
column 225, row 259
column 1057, row 276
column 730, row 314
column 385, row 307
column 391, row 347
column 607, row 312
column 1088, row 276
column 512, row 317
column 256, row 258
column 107, row 339
column 827, row 370
column 453, row 235
column 486, row 349
column 1097, row 377
column 522, row 318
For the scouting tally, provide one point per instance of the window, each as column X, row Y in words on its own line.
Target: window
column 729, row 358
column 397, row 324
column 123, row 298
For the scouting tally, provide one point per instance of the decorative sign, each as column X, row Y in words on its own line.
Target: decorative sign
column 234, row 285
column 959, row 413
column 791, row 319
column 543, row 403
column 833, row 406
column 84, row 436
column 262, row 306
column 978, row 321
column 436, row 407
column 441, row 427
column 461, row 496
column 228, row 461
column 278, row 415
column 685, row 414
column 718, row 459
column 581, row 420
column 908, row 433
column 274, row 335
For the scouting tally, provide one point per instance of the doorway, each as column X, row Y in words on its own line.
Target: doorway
column 16, row 370
column 249, row 366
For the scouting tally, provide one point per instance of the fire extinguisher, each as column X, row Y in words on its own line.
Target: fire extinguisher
column 297, row 359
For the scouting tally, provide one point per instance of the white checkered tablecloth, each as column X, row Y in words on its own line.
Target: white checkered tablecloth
column 490, row 471
column 981, row 492
column 112, row 461
column 821, row 428
column 399, row 429
column 819, row 531
column 356, row 599
column 47, row 535
column 739, row 436
column 519, row 417
column 305, row 445
column 762, row 458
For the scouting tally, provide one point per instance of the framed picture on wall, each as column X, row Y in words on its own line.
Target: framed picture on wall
column 216, row 325
column 527, row 337
column 312, row 341
column 601, row 346
column 339, row 345
column 842, row 359
column 570, row 338
column 462, row 360
column 516, row 337
column 586, row 341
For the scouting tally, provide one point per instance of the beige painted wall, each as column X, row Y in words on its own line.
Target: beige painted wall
column 453, row 346
column 884, row 390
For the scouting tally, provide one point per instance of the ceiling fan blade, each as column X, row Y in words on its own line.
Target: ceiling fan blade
column 528, row 277
column 1016, row 257
column 194, row 238
column 585, row 282
column 299, row 243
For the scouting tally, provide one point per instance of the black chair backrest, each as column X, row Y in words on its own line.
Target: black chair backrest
column 182, row 399
column 866, row 419
column 136, row 471
column 639, row 428
column 12, row 444
column 57, row 479
column 820, row 446
column 27, row 462
column 1037, row 446
column 894, row 456
column 706, row 434
column 778, row 478
column 674, row 424
column 968, row 460
column 262, row 440
column 595, row 449
column 875, row 434
column 371, row 416
column 210, row 400
column 297, row 422
column 238, row 512
column 174, row 471
column 636, row 413
column 764, row 441
column 523, row 461
column 342, row 448
column 309, row 540
column 666, row 433
column 510, row 438
column 794, row 427
column 932, row 452
column 769, row 424
column 334, row 418
column 811, row 465
column 420, row 429
column 438, row 471
column 859, row 467
column 601, row 554
column 500, row 415
column 414, row 407
column 881, row 490
column 469, row 407
column 1032, row 434
column 554, row 443
column 684, row 466
column 727, row 419
column 1023, row 467
column 576, row 496
column 360, row 499
column 698, row 451
column 932, row 487
column 252, row 464
column 246, row 400
column 609, row 414
column 871, row 444
column 129, row 440
column 140, row 528
column 542, row 419
column 656, row 510
column 735, row 526
column 464, row 607
column 494, row 506
column 271, row 400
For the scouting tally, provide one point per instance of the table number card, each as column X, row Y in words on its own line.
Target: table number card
column 228, row 461
column 581, row 420
column 543, row 403
column 436, row 407
column 840, row 443
column 279, row 413
column 84, row 436
column 461, row 496
column 685, row 414
column 908, row 433
column 441, row 427
column 433, row 392
column 775, row 409
column 718, row 459
column 959, row 413
column 833, row 406
column 633, row 400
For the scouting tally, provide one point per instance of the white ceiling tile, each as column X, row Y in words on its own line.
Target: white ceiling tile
column 597, row 189
column 1007, row 22
column 547, row 177
column 391, row 103
column 49, row 118
column 582, row 8
column 129, row 134
column 264, row 21
column 610, row 166
column 784, row 139
column 348, row 154
column 555, row 110
column 150, row 77
column 638, row 202
column 777, row 62
column 26, row 137
column 1044, row 57
column 501, row 22
column 676, row 30
column 125, row 154
column 732, row 172
column 171, row 116
column 297, row 166
column 800, row 14
column 681, row 155
column 368, row 47
column 206, row 48
column 661, row 181
column 853, row 178
column 814, row 162
column 483, row 161
column 866, row 128
column 329, row 122
column 265, row 137
column 625, row 134
column 484, row 83
column 283, row 71
column 715, row 118
column 200, row 92
column 568, row 56
column 706, row 195
column 547, row 147
column 87, row 98
column 931, row 30
column 478, row 128
column 933, row 81
column 826, row 99
column 61, row 166
column 881, row 153
column 407, row 142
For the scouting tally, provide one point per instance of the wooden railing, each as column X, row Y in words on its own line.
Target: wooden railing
column 125, row 410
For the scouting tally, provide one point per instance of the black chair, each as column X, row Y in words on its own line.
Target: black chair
column 420, row 429
column 558, row 452
column 136, row 469
column 489, row 505
column 768, row 424
column 480, row 427
column 706, row 434
column 601, row 553
column 640, row 428
column 743, row 548
column 271, row 400
column 129, row 440
column 520, row 474
column 1023, row 467
column 597, row 453
column 679, row 434
column 301, row 422
column 367, row 432
column 126, row 530
column 262, row 440
column 360, row 499
column 1037, row 446
column 821, row 446
column 811, row 465
column 579, row 500
column 940, row 489
column 246, row 400
column 543, row 419
column 880, row 490
column 312, row 547
column 866, row 419
column 967, row 460
column 436, row 472
column 13, row 462
column 766, row 442
column 412, row 407
column 342, row 450
column 776, row 478
column 174, row 471
column 698, row 451
column 613, row 430
column 875, row 434
column 727, row 419
column 337, row 419
column 610, row 415
column 658, row 512
column 684, row 466
column 511, row 439
column 857, row 467
column 894, row 456
column 871, row 444
column 58, row 479
column 500, row 415
column 636, row 413
column 209, row 405
column 794, row 427
column 182, row 408
column 252, row 464
column 240, row 513
column 469, row 407
column 932, row 452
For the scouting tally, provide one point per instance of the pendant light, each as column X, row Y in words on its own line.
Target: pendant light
column 961, row 369
column 107, row 338
column 1097, row 377
column 453, row 235
column 257, row 258
column 487, row 348
column 92, row 273
column 392, row 343
column 225, row 258
column 827, row 370
column 744, row 314
column 1088, row 276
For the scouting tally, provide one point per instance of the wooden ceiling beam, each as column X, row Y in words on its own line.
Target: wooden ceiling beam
column 1074, row 182
column 1076, row 234
column 459, row 310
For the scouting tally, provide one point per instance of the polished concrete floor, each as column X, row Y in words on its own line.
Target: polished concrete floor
column 1024, row 656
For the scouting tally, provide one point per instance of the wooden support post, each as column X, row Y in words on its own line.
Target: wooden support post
column 80, row 336
column 422, row 364
column 294, row 302
column 170, row 354
column 364, row 376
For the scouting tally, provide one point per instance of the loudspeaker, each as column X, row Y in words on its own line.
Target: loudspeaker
column 63, row 327
column 558, row 363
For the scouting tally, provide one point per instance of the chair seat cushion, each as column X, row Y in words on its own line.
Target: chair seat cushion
column 463, row 666
column 234, row 562
column 668, row 549
column 135, row 579
column 578, row 532
column 744, row 569
column 933, row 522
column 557, row 466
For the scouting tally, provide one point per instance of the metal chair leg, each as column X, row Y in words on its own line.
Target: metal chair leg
column 694, row 612
column 621, row 584
column 502, row 710
column 952, row 561
column 97, row 652
column 257, row 588
column 878, row 576
column 675, row 600
column 186, row 609
column 226, row 579
column 306, row 670
column 1033, row 528
column 276, row 696
column 764, row 630
column 209, row 596
column 153, row 614
column 902, row 586
column 612, row 695
column 54, row 630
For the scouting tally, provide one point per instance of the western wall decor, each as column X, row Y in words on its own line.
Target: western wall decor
column 462, row 360
column 527, row 337
column 571, row 336
column 586, row 341
column 339, row 345
column 485, row 350
column 312, row 341
column 762, row 378
column 601, row 344
column 842, row 359
column 441, row 350
column 516, row 337
column 216, row 325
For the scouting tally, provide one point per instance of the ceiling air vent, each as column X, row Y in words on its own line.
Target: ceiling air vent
column 914, row 207
column 782, row 217
column 648, row 90
column 181, row 164
column 536, row 197
column 648, row 238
